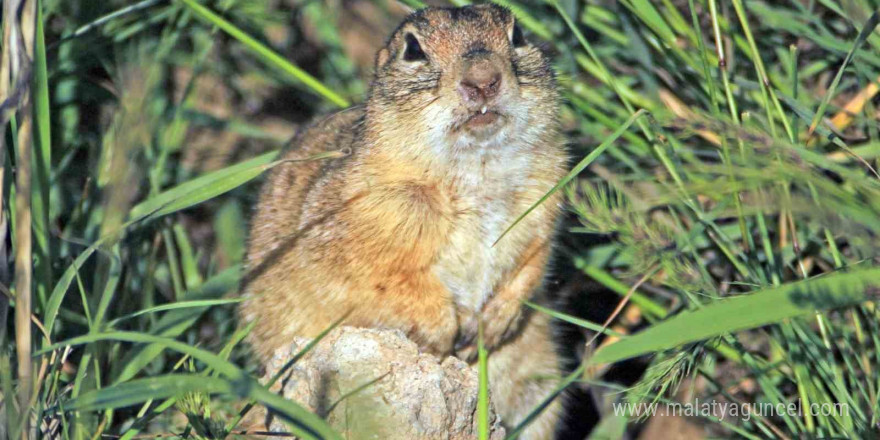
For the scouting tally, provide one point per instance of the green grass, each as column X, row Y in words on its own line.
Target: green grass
column 727, row 151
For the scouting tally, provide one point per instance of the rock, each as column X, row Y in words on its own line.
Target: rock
column 374, row 384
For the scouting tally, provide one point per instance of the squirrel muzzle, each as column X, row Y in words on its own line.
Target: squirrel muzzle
column 485, row 80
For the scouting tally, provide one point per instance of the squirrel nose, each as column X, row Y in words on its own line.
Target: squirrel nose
column 481, row 82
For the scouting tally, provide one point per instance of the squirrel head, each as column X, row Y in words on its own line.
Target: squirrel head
column 462, row 79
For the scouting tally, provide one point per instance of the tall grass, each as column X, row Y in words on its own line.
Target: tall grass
column 727, row 151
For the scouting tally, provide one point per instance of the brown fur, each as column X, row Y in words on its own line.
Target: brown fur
column 399, row 232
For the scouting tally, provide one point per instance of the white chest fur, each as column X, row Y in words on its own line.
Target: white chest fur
column 469, row 265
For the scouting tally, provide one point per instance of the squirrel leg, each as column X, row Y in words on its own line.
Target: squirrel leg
column 503, row 314
column 423, row 311
column 522, row 374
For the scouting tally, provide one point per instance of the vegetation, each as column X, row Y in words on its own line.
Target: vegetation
column 726, row 156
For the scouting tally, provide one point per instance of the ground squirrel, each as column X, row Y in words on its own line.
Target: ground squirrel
column 459, row 136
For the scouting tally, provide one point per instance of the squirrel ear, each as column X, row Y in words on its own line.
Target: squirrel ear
column 412, row 50
column 516, row 36
column 382, row 57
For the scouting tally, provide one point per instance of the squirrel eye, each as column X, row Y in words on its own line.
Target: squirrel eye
column 413, row 50
column 516, row 36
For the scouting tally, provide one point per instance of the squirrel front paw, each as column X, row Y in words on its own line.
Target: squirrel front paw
column 501, row 320
column 466, row 347
column 437, row 338
column 466, row 340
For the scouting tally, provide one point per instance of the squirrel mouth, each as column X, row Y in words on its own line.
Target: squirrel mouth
column 481, row 119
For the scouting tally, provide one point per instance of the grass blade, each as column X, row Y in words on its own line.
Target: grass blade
column 866, row 32
column 61, row 287
column 41, row 164
column 284, row 368
column 483, row 390
column 534, row 413
column 268, row 55
column 180, row 197
column 177, row 305
column 224, row 367
column 302, row 423
column 175, row 322
column 576, row 321
column 202, row 188
column 142, row 390
column 583, row 164
column 210, row 185
column 756, row 309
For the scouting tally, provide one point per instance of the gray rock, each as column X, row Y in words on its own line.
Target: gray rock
column 374, row 384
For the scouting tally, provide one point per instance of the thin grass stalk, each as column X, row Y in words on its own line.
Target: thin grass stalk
column 612, row 81
column 716, row 109
column 23, row 250
column 763, row 79
column 5, row 67
column 649, row 307
column 265, row 53
column 23, row 266
column 483, row 389
column 721, row 390
column 86, row 28
column 722, row 64
column 42, row 159
column 866, row 30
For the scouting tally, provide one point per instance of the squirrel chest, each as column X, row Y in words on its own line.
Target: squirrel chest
column 468, row 264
